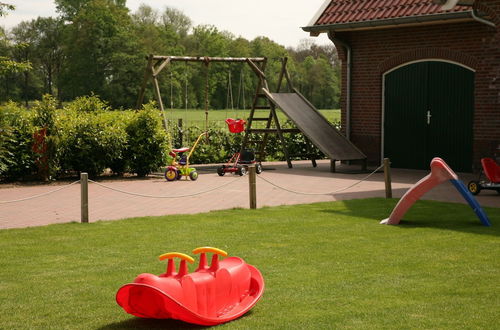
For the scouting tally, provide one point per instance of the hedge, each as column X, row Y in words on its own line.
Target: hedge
column 86, row 135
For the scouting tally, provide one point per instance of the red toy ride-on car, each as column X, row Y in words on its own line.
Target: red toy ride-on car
column 239, row 162
column 492, row 171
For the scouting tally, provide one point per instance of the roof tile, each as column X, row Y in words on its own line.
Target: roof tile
column 350, row 11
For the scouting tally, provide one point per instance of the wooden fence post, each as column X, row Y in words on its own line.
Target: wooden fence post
column 84, row 189
column 387, row 177
column 252, row 176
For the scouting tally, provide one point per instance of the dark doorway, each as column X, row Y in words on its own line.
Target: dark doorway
column 429, row 110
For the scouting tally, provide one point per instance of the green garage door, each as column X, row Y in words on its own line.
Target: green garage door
column 429, row 109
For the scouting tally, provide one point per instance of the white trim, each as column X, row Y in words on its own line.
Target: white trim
column 320, row 12
column 431, row 59
column 382, row 120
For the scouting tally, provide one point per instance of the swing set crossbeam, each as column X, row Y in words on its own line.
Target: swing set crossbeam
column 157, row 63
column 207, row 59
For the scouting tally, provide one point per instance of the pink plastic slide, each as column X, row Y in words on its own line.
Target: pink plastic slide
column 440, row 172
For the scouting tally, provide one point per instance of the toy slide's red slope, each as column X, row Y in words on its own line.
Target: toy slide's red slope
column 208, row 296
column 440, row 172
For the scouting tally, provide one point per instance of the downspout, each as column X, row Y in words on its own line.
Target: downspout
column 476, row 17
column 347, row 47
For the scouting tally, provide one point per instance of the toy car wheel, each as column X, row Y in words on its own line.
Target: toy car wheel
column 242, row 170
column 179, row 175
column 220, row 171
column 258, row 168
column 171, row 174
column 473, row 187
column 193, row 175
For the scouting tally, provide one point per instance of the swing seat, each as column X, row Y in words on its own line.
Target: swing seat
column 236, row 125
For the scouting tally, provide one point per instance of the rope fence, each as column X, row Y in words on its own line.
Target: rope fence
column 161, row 196
column 39, row 195
column 251, row 180
column 320, row 194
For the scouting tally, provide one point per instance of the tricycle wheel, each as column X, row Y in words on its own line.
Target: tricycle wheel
column 193, row 175
column 171, row 174
column 474, row 187
column 220, row 171
column 258, row 168
column 242, row 170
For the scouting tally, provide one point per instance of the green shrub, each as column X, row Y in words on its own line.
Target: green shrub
column 91, row 142
column 18, row 159
column 88, row 104
column 148, row 142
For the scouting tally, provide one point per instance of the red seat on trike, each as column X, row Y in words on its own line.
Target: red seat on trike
column 180, row 150
column 491, row 169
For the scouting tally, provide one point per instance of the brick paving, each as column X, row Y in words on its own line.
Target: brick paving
column 105, row 204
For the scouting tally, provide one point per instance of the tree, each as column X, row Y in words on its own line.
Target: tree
column 4, row 7
column 48, row 50
column 70, row 8
column 103, row 54
column 177, row 20
column 8, row 65
column 25, row 38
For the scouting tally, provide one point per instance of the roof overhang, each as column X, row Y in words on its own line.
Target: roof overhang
column 453, row 17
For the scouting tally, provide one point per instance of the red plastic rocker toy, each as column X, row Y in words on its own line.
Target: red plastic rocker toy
column 211, row 295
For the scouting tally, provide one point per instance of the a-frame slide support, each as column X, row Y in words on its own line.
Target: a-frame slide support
column 273, row 126
column 309, row 121
column 261, row 102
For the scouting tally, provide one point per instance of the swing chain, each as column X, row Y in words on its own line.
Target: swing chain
column 206, row 60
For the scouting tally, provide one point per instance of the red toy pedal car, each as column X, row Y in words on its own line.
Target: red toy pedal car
column 239, row 162
column 492, row 171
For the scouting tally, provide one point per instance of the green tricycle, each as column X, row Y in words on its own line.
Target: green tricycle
column 178, row 163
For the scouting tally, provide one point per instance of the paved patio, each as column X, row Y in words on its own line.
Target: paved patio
column 225, row 192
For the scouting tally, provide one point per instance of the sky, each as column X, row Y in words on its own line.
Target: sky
column 279, row 20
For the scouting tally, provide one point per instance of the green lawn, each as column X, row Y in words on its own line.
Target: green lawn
column 326, row 266
column 218, row 117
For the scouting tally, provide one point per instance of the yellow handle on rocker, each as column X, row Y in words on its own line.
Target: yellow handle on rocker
column 171, row 255
column 207, row 249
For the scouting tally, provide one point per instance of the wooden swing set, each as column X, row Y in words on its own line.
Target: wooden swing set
column 261, row 101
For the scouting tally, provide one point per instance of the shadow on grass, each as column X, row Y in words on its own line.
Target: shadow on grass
column 424, row 214
column 138, row 323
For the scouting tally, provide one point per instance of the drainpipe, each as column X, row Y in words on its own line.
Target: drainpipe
column 331, row 36
column 476, row 17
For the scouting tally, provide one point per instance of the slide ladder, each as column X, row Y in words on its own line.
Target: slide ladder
column 307, row 119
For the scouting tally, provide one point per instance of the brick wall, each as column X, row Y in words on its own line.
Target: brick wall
column 374, row 52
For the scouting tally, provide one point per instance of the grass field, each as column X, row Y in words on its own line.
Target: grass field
column 326, row 266
column 219, row 116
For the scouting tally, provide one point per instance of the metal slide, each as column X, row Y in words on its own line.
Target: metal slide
column 312, row 123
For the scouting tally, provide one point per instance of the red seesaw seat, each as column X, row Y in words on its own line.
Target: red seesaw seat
column 211, row 295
